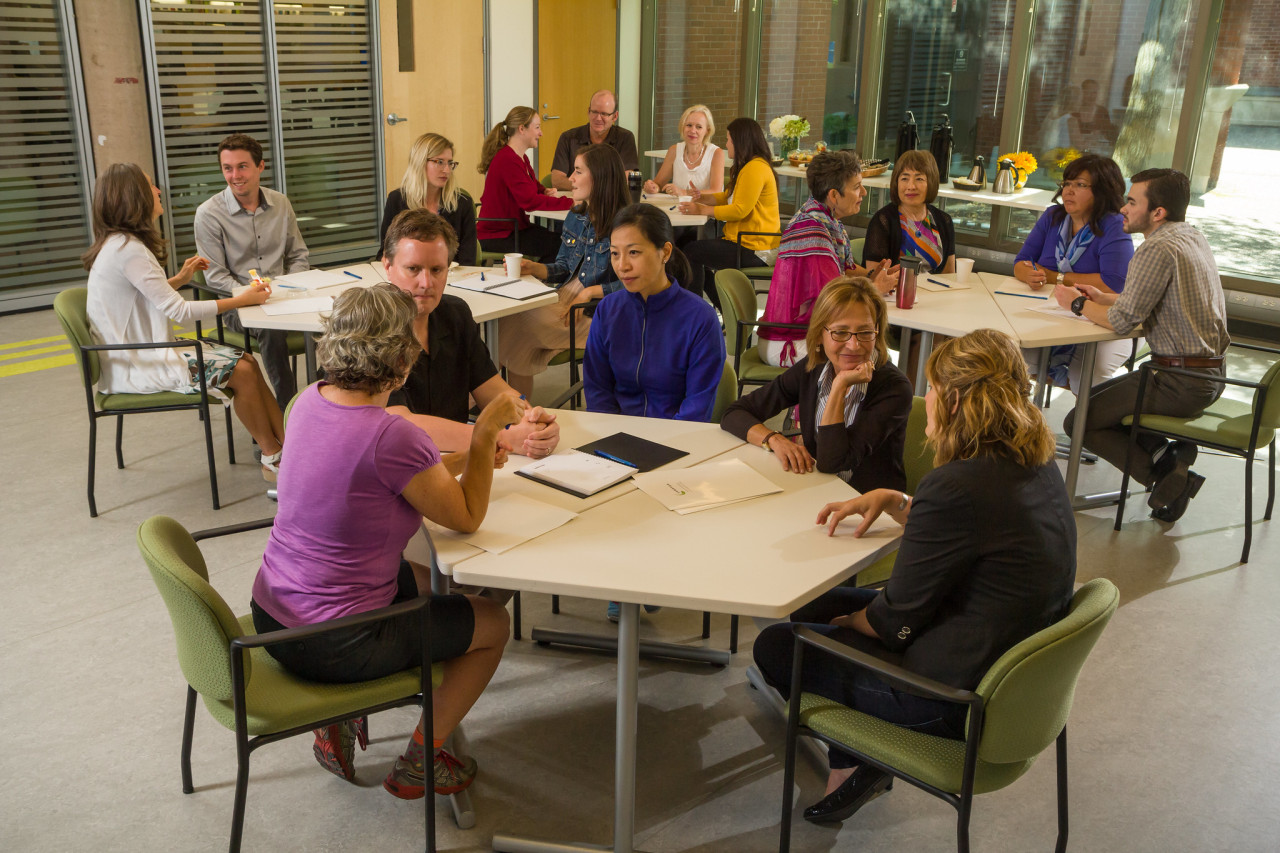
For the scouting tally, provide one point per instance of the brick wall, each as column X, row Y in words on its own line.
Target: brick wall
column 699, row 58
column 793, row 63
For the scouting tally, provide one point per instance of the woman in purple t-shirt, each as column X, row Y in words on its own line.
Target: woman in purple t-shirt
column 358, row 484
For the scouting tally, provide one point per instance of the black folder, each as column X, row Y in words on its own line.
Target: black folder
column 630, row 449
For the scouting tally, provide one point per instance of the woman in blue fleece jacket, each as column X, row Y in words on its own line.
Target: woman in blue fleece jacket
column 654, row 349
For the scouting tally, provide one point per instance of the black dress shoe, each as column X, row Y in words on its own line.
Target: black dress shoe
column 1170, row 473
column 862, row 787
column 1175, row 510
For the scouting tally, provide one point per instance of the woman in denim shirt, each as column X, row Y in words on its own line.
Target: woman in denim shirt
column 581, row 271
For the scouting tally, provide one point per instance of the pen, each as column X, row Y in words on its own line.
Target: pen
column 353, row 275
column 617, row 459
column 1023, row 295
column 673, row 207
column 482, row 276
column 1034, row 267
column 935, row 281
column 289, row 286
column 508, row 426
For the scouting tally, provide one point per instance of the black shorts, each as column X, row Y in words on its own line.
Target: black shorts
column 373, row 651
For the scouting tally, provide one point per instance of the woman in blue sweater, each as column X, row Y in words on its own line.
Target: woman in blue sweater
column 654, row 349
column 1081, row 240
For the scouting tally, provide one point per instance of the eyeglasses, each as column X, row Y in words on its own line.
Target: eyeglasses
column 840, row 336
column 1080, row 185
column 598, row 114
column 444, row 164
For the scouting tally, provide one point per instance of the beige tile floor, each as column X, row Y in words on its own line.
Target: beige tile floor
column 1172, row 734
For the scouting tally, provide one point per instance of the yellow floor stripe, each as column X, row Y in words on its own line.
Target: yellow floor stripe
column 36, row 364
column 17, row 344
column 37, row 351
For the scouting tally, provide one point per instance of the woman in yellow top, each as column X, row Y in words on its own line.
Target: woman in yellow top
column 749, row 204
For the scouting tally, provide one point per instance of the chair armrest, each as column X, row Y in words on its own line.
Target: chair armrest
column 242, row 527
column 204, row 291
column 304, row 632
column 895, row 675
column 1148, row 366
column 165, row 345
column 1256, row 347
column 741, row 234
column 574, row 390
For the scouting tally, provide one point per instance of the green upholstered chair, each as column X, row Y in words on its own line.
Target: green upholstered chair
column 760, row 272
column 726, row 392
column 486, row 259
column 573, row 356
column 70, row 308
column 242, row 340
column 1018, row 709
column 917, row 460
column 1231, row 426
column 225, row 662
column 739, row 309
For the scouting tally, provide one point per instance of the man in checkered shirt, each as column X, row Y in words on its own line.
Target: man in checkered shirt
column 1173, row 291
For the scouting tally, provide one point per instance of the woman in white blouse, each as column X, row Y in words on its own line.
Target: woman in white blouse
column 131, row 301
column 693, row 162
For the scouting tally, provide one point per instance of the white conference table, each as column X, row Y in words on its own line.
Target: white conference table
column 762, row 557
column 989, row 303
column 486, row 308
column 665, row 203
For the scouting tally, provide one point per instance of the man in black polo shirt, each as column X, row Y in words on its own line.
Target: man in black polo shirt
column 601, row 129
column 454, row 364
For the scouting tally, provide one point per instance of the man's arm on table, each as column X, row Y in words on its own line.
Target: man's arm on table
column 537, row 434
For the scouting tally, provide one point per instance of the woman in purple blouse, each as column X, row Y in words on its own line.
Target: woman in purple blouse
column 1081, row 240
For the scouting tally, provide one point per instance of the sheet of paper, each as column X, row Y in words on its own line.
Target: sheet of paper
column 940, row 283
column 579, row 472
column 497, row 284
column 311, row 279
column 298, row 306
column 510, row 521
column 706, row 485
column 370, row 273
column 1055, row 310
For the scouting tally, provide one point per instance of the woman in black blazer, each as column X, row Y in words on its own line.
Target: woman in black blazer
column 853, row 401
column 429, row 184
column 910, row 224
column 988, row 557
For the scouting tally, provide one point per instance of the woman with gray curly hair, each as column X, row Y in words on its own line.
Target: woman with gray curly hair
column 359, row 482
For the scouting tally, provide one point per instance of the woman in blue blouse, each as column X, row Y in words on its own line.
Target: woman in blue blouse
column 655, row 349
column 1081, row 240
column 581, row 271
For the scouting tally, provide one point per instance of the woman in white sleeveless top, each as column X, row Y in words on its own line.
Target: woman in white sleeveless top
column 695, row 161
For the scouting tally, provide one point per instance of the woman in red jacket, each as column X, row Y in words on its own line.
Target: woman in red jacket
column 511, row 189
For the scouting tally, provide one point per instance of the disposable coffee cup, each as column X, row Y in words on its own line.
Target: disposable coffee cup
column 513, row 264
column 685, row 199
column 964, row 266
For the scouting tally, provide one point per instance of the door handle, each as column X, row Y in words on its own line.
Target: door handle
column 947, row 102
column 550, row 118
column 393, row 119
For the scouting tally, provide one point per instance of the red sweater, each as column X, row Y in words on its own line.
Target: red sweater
column 510, row 189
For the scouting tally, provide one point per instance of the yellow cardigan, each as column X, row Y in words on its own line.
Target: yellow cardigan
column 754, row 206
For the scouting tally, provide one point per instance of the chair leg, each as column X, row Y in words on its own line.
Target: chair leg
column 963, row 810
column 1248, row 507
column 706, row 624
column 1062, row 791
column 733, row 634
column 120, row 441
column 1271, row 480
column 242, row 786
column 515, row 615
column 1124, row 486
column 188, row 729
column 555, row 604
column 93, row 454
column 208, row 450
column 231, row 445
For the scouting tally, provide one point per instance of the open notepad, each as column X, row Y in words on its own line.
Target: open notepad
column 579, row 474
column 705, row 486
column 499, row 285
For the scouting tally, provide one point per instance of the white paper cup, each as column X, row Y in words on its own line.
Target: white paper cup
column 513, row 264
column 685, row 199
column 964, row 266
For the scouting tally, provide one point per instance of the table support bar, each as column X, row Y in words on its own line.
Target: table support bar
column 648, row 648
column 511, row 844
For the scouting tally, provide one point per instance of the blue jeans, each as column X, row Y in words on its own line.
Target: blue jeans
column 848, row 685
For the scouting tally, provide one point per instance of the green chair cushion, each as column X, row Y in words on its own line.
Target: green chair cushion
column 752, row 368
column 879, row 571
column 1226, row 422
column 758, row 272
column 277, row 700
column 116, row 402
column 936, row 761
column 563, row 356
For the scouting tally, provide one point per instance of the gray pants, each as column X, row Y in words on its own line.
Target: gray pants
column 273, row 345
column 1113, row 400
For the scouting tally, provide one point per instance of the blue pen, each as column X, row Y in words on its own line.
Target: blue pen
column 673, row 207
column 1034, row 267
column 508, row 426
column 1023, row 295
column 935, row 281
column 482, row 276
column 288, row 286
column 353, row 275
column 617, row 459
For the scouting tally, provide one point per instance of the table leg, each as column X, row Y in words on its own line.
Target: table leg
column 491, row 340
column 1077, row 438
column 926, row 347
column 904, row 347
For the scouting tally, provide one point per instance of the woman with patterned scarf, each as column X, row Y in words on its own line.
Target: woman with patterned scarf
column 1081, row 240
column 815, row 249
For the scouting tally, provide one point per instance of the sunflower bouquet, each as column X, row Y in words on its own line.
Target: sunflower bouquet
column 1024, row 161
column 1058, row 159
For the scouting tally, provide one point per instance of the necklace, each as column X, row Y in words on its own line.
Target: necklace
column 693, row 161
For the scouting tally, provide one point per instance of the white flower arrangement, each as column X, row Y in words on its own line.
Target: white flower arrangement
column 789, row 127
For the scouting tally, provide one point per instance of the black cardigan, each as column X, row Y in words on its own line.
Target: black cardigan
column 463, row 221
column 871, row 448
column 884, row 235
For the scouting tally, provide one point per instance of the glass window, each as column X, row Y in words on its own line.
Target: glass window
column 1235, row 175
column 1105, row 78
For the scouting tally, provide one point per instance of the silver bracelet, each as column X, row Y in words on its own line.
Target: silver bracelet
column 906, row 499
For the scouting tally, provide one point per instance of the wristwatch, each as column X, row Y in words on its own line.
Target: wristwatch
column 764, row 445
column 1077, row 305
column 906, row 499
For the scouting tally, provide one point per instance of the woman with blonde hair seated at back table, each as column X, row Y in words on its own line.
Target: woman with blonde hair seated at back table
column 430, row 183
column 853, row 401
column 695, row 163
column 988, row 558
column 132, row 301
column 336, row 551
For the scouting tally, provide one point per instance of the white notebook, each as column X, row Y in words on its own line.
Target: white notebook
column 498, row 284
column 704, row 486
column 579, row 474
